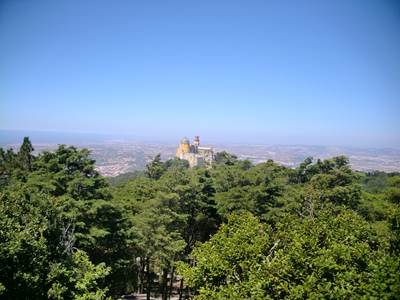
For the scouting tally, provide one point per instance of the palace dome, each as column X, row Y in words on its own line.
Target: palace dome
column 185, row 141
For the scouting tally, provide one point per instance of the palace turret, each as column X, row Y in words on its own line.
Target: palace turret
column 195, row 154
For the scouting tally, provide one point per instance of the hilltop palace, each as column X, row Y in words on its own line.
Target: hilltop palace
column 194, row 153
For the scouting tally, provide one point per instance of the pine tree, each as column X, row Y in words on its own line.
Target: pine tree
column 25, row 156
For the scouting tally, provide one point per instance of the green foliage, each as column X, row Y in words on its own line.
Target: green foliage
column 125, row 177
column 226, row 262
column 8, row 165
column 194, row 203
column 35, row 258
column 176, row 163
column 376, row 182
column 156, row 168
column 225, row 158
column 392, row 192
column 51, row 205
column 78, row 279
column 325, row 257
column 394, row 225
column 331, row 256
column 25, row 157
column 375, row 207
column 255, row 190
column 335, row 182
column 23, row 245
column 318, row 231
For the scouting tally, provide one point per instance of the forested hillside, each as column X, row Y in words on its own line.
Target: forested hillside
column 233, row 231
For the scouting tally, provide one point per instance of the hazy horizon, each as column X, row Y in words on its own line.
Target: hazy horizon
column 42, row 137
column 306, row 72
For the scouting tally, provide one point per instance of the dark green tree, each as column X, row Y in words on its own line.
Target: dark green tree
column 155, row 168
column 25, row 156
column 33, row 250
column 225, row 158
column 255, row 190
column 332, row 256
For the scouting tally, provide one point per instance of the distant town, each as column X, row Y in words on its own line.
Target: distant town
column 115, row 157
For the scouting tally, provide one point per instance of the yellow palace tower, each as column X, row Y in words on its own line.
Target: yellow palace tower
column 183, row 148
column 195, row 154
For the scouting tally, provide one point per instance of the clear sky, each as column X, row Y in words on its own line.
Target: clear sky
column 289, row 72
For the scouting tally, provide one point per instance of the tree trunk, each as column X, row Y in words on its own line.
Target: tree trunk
column 164, row 291
column 148, row 278
column 142, row 266
column 171, row 282
column 181, row 289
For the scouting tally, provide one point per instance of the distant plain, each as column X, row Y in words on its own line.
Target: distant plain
column 116, row 155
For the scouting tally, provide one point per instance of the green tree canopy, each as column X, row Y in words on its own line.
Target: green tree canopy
column 334, row 257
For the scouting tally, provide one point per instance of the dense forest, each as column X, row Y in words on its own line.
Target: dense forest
column 231, row 231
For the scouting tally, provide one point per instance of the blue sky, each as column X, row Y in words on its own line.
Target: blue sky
column 287, row 72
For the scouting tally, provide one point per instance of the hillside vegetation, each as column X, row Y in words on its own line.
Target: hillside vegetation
column 233, row 231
